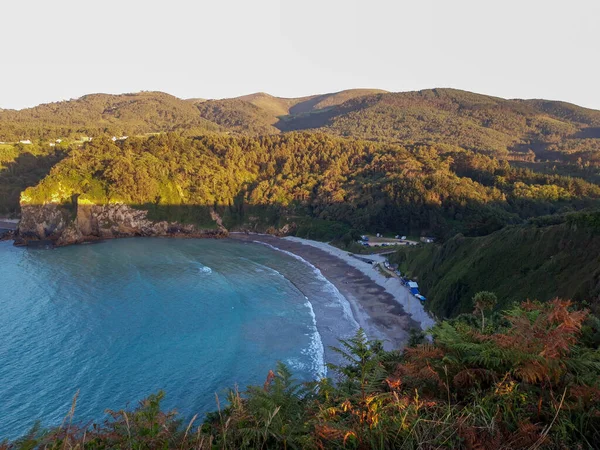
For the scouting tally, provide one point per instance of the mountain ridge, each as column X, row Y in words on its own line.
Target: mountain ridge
column 440, row 115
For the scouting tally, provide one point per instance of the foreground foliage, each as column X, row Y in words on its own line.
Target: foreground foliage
column 526, row 378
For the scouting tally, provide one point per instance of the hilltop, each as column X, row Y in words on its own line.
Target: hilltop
column 524, row 130
column 261, row 113
column 97, row 114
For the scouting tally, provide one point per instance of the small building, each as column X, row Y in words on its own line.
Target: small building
column 52, row 144
column 420, row 297
column 25, row 141
column 427, row 240
column 414, row 287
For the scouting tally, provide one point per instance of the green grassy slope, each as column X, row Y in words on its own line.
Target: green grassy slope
column 538, row 263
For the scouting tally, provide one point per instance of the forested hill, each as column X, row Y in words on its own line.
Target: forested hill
column 473, row 121
column 546, row 258
column 102, row 114
column 257, row 182
column 514, row 129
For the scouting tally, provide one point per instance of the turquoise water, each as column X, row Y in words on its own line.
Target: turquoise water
column 122, row 319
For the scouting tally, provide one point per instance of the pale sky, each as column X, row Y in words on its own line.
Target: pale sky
column 60, row 49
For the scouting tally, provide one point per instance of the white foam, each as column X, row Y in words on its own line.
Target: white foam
column 315, row 348
column 263, row 268
column 346, row 308
column 205, row 269
column 411, row 305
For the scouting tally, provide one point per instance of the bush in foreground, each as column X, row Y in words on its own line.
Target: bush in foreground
column 524, row 378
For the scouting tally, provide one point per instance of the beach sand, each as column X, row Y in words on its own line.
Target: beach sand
column 381, row 306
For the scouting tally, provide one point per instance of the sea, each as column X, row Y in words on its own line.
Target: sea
column 115, row 321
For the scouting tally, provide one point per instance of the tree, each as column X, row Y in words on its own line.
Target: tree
column 484, row 301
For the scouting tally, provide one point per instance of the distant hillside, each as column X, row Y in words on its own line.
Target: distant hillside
column 519, row 262
column 521, row 130
column 451, row 116
column 279, row 106
column 92, row 115
column 274, row 181
column 261, row 113
column 238, row 115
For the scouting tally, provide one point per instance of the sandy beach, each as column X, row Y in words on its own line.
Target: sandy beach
column 381, row 306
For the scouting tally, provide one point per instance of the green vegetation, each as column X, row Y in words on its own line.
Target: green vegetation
column 536, row 261
column 328, row 187
column 22, row 166
column 525, row 378
column 514, row 129
column 472, row 121
column 101, row 114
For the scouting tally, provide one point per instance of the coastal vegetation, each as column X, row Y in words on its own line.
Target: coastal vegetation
column 296, row 178
column 549, row 256
column 23, row 166
column 527, row 377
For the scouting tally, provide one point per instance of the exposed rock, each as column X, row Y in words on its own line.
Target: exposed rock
column 6, row 235
column 65, row 225
column 285, row 230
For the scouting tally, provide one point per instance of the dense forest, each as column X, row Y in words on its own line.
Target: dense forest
column 524, row 378
column 267, row 181
column 506, row 128
column 23, row 166
column 100, row 114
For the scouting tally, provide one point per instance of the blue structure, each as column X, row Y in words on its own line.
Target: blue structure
column 414, row 288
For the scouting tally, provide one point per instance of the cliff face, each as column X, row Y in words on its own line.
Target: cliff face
column 87, row 222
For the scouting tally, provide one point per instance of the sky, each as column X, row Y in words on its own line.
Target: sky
column 54, row 50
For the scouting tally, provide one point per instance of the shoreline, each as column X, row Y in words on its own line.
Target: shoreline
column 375, row 306
column 409, row 303
column 381, row 306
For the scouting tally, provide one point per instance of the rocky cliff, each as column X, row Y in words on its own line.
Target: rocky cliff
column 83, row 222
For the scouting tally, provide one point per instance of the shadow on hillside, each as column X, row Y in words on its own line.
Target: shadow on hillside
column 589, row 133
column 308, row 105
column 306, row 121
column 25, row 171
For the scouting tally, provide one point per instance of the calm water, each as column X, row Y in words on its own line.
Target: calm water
column 122, row 319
